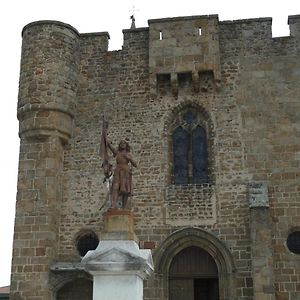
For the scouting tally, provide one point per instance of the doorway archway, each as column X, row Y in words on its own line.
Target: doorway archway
column 77, row 289
column 193, row 275
column 216, row 251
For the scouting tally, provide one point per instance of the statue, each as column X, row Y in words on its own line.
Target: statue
column 122, row 178
column 120, row 187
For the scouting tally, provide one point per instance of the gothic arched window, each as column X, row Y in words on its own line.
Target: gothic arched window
column 180, row 151
column 190, row 155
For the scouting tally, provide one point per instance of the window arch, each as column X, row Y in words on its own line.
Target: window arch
column 190, row 154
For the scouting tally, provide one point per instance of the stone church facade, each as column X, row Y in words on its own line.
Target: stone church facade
column 211, row 112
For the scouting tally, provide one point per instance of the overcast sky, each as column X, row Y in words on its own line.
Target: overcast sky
column 90, row 16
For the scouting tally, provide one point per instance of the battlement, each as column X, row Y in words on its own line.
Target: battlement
column 245, row 29
column 294, row 23
column 182, row 51
column 99, row 39
column 249, row 28
column 135, row 37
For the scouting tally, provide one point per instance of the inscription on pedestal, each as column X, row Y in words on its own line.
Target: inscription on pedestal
column 258, row 194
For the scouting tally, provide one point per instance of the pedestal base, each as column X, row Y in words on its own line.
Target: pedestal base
column 118, row 225
column 118, row 265
column 121, row 287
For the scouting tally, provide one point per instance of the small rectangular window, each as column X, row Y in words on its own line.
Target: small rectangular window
column 163, row 83
column 160, row 35
column 184, row 79
column 207, row 81
column 200, row 31
column 163, row 79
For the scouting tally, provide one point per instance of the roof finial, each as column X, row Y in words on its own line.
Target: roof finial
column 133, row 11
column 132, row 22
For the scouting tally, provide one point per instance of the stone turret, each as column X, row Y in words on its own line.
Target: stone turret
column 48, row 83
column 48, row 79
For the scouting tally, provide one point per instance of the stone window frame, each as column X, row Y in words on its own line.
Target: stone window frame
column 174, row 121
column 192, row 236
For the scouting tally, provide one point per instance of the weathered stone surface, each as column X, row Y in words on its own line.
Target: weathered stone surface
column 258, row 194
column 118, row 225
column 118, row 268
column 246, row 85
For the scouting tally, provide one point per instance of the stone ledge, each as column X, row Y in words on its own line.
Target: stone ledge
column 118, row 258
column 43, row 107
column 186, row 18
column 133, row 30
column 92, row 34
column 241, row 21
column 67, row 267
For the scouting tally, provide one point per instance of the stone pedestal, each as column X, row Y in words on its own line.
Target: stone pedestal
column 118, row 225
column 118, row 265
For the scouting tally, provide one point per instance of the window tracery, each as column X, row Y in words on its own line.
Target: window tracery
column 190, row 153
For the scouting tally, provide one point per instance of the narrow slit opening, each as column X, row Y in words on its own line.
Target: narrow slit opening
column 160, row 35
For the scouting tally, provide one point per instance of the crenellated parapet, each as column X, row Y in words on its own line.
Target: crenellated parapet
column 94, row 43
column 294, row 23
column 253, row 37
column 48, row 79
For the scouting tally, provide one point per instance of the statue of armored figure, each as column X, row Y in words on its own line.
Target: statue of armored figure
column 122, row 177
column 120, row 188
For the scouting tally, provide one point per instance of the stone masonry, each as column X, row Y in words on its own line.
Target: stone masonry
column 245, row 85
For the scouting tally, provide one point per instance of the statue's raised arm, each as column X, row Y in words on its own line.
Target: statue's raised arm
column 112, row 149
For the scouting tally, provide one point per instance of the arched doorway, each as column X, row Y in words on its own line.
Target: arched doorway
column 78, row 289
column 214, row 249
column 193, row 275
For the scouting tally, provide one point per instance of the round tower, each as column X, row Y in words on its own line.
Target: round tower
column 48, row 79
column 47, row 93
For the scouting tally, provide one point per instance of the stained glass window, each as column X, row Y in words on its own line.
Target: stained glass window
column 190, row 154
column 180, row 152
column 188, row 117
column 199, row 155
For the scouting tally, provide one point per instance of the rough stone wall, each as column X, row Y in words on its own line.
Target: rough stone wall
column 247, row 87
column 47, row 90
column 267, row 99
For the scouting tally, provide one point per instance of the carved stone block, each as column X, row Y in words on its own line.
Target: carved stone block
column 258, row 194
